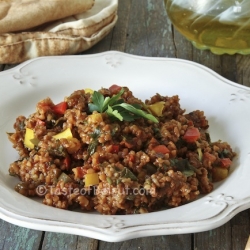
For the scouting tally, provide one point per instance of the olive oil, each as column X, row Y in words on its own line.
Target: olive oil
column 223, row 26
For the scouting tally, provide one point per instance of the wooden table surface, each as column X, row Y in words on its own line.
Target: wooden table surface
column 144, row 29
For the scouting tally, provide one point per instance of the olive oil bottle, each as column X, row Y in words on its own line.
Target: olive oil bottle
column 223, row 26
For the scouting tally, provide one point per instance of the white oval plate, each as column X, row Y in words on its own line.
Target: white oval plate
column 226, row 105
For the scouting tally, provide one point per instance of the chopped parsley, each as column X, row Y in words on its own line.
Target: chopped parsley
column 116, row 108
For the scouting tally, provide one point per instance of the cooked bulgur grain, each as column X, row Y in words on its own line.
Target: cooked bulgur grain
column 74, row 157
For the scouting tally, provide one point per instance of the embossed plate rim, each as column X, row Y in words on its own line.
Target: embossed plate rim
column 43, row 77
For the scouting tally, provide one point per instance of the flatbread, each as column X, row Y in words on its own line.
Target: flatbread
column 20, row 15
column 44, row 45
column 66, row 36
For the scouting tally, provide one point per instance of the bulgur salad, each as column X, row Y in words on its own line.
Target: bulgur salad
column 108, row 151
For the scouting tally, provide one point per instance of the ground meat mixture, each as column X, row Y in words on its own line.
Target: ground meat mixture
column 76, row 157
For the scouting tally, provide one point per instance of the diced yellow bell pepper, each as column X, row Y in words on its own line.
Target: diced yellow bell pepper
column 66, row 134
column 95, row 118
column 91, row 179
column 156, row 108
column 90, row 91
column 29, row 135
column 219, row 174
column 200, row 154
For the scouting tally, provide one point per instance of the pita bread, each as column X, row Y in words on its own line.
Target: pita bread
column 67, row 36
column 20, row 15
column 57, row 45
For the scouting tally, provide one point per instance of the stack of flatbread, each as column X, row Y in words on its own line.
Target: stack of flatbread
column 33, row 28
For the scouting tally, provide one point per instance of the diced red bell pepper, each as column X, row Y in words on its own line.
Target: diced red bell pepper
column 131, row 158
column 226, row 162
column 192, row 134
column 115, row 148
column 161, row 149
column 114, row 89
column 60, row 108
column 67, row 162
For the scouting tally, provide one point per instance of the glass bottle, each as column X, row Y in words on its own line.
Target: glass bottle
column 223, row 26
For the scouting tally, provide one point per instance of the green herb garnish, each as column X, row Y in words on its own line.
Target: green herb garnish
column 126, row 173
column 183, row 166
column 94, row 143
column 116, row 108
column 58, row 150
